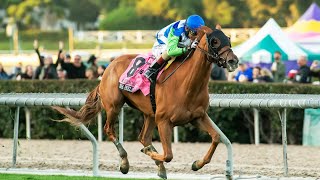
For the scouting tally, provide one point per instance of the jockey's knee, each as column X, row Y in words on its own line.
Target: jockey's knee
column 168, row 157
column 165, row 56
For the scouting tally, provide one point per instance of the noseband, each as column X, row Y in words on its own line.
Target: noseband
column 213, row 55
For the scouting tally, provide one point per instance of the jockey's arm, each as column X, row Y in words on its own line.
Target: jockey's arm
column 172, row 45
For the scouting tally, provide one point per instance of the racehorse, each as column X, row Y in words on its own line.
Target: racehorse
column 182, row 98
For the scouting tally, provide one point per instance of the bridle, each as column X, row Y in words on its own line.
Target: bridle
column 213, row 55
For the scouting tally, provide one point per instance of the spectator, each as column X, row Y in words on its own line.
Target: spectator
column 218, row 73
column 256, row 74
column 16, row 71
column 291, row 76
column 62, row 74
column 46, row 69
column 3, row 74
column 101, row 71
column 28, row 74
column 303, row 75
column 76, row 69
column 265, row 75
column 278, row 68
column 315, row 69
column 90, row 74
column 244, row 73
column 67, row 58
column 93, row 61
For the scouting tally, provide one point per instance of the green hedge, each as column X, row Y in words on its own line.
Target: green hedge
column 237, row 124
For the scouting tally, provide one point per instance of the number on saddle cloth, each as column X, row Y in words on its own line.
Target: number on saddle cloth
column 133, row 79
column 138, row 62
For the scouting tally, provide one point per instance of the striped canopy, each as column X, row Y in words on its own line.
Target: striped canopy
column 306, row 31
column 270, row 38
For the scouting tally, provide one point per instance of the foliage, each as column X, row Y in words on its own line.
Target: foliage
column 152, row 8
column 218, row 12
column 83, row 11
column 27, row 12
column 237, row 124
column 229, row 13
column 119, row 17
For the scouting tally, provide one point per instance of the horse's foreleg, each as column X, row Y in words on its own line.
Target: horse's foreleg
column 112, row 116
column 145, row 138
column 165, row 133
column 205, row 125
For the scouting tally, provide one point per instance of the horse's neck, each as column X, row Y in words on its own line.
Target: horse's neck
column 197, row 73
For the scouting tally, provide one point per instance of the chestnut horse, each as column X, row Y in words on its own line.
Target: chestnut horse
column 182, row 98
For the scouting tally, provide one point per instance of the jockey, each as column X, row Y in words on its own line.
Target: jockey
column 174, row 40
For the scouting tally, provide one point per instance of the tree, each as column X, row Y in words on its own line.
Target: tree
column 82, row 12
column 126, row 18
column 218, row 12
column 106, row 6
column 181, row 9
column 26, row 13
column 151, row 7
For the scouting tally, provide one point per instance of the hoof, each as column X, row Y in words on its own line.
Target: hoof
column 162, row 172
column 228, row 177
column 194, row 166
column 124, row 167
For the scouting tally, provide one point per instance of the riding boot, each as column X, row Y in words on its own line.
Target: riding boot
column 154, row 68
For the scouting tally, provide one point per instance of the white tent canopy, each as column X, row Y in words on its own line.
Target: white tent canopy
column 269, row 38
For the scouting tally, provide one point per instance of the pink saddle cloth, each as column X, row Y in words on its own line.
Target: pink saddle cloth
column 133, row 79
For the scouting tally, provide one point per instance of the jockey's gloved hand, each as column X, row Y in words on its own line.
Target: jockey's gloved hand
column 194, row 44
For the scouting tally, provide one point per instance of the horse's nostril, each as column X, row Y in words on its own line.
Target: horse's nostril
column 232, row 62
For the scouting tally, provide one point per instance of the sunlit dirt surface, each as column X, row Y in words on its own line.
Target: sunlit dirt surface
column 264, row 160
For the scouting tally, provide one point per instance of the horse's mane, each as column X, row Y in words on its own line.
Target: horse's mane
column 202, row 31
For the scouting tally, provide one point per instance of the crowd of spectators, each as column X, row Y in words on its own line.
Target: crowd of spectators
column 63, row 68
column 66, row 68
column 276, row 73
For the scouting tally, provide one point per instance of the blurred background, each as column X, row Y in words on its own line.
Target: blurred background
column 110, row 28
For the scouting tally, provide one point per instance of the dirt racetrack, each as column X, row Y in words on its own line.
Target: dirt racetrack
column 265, row 160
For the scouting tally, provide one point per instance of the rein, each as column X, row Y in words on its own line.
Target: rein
column 187, row 57
column 214, row 58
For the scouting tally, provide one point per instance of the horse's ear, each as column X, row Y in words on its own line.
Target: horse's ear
column 218, row 26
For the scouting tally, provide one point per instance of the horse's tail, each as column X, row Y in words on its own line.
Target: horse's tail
column 87, row 112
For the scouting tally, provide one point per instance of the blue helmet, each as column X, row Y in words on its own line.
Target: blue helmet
column 194, row 22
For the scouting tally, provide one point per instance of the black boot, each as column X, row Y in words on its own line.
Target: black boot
column 154, row 69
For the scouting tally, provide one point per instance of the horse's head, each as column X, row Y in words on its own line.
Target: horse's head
column 216, row 45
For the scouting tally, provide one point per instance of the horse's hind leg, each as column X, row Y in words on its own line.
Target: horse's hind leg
column 205, row 125
column 145, row 138
column 112, row 110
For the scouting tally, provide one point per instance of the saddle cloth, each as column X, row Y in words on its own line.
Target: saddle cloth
column 133, row 79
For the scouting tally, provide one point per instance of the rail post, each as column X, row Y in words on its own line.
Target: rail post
column 15, row 136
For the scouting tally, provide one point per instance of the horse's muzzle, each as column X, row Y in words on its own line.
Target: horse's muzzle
column 232, row 65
